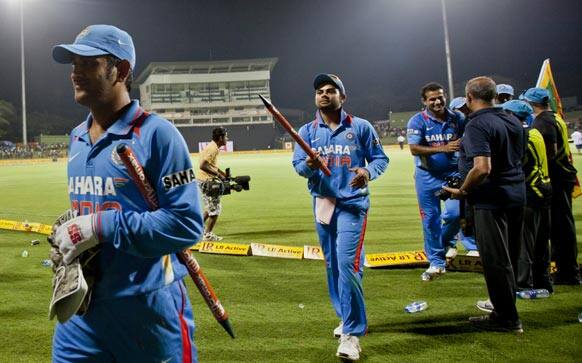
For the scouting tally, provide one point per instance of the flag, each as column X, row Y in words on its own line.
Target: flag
column 546, row 81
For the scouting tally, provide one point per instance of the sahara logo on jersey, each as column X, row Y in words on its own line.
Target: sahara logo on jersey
column 178, row 179
column 333, row 149
column 93, row 185
column 439, row 137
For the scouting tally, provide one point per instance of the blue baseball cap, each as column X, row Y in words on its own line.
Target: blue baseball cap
column 97, row 40
column 329, row 78
column 521, row 108
column 457, row 103
column 504, row 88
column 536, row 95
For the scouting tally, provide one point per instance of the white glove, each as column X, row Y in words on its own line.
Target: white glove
column 75, row 236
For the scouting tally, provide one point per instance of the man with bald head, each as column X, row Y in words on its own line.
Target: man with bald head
column 491, row 152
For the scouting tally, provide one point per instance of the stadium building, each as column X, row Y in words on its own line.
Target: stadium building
column 199, row 96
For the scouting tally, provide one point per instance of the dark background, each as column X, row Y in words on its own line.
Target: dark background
column 384, row 50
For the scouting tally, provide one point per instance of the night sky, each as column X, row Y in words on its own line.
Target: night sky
column 384, row 50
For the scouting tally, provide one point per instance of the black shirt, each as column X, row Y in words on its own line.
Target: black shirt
column 560, row 168
column 500, row 136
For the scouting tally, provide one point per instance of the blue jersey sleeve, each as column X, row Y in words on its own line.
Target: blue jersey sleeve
column 300, row 156
column 415, row 130
column 374, row 153
column 178, row 223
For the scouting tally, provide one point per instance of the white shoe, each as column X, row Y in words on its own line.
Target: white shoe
column 451, row 253
column 473, row 253
column 210, row 236
column 337, row 332
column 349, row 347
column 485, row 305
column 432, row 273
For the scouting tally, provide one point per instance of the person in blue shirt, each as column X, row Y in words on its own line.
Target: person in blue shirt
column 434, row 138
column 351, row 149
column 139, row 309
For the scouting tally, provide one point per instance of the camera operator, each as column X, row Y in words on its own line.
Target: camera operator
column 209, row 170
column 491, row 152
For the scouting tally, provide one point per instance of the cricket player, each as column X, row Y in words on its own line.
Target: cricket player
column 140, row 311
column 351, row 149
column 434, row 139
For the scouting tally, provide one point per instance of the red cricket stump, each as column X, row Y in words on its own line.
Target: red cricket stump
column 137, row 173
column 283, row 121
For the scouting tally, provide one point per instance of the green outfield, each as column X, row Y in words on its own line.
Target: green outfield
column 279, row 308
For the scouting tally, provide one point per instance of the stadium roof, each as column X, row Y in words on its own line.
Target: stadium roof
column 204, row 67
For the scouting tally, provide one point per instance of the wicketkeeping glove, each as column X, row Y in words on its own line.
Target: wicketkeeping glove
column 75, row 236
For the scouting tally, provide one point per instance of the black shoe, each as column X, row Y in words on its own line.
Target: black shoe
column 544, row 282
column 486, row 322
column 547, row 286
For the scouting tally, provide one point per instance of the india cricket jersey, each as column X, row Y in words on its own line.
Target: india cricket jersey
column 353, row 144
column 425, row 130
column 138, row 245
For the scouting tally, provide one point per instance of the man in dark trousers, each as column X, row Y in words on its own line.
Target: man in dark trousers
column 491, row 152
column 563, row 178
column 534, row 259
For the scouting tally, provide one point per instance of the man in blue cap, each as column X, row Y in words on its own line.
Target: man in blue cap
column 504, row 93
column 352, row 151
column 563, row 178
column 140, row 309
column 533, row 268
column 459, row 104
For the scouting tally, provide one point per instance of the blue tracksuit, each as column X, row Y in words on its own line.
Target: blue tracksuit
column 353, row 144
column 439, row 230
column 140, row 309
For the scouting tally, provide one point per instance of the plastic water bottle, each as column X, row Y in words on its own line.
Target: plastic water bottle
column 416, row 306
column 533, row 294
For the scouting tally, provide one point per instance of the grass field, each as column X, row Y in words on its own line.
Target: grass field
column 279, row 308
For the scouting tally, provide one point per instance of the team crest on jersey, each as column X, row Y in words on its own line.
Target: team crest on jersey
column 115, row 158
column 178, row 179
column 350, row 136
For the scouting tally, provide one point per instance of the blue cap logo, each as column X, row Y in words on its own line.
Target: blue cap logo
column 97, row 40
column 504, row 88
column 457, row 103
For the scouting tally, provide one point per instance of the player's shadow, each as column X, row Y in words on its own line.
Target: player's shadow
column 448, row 324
